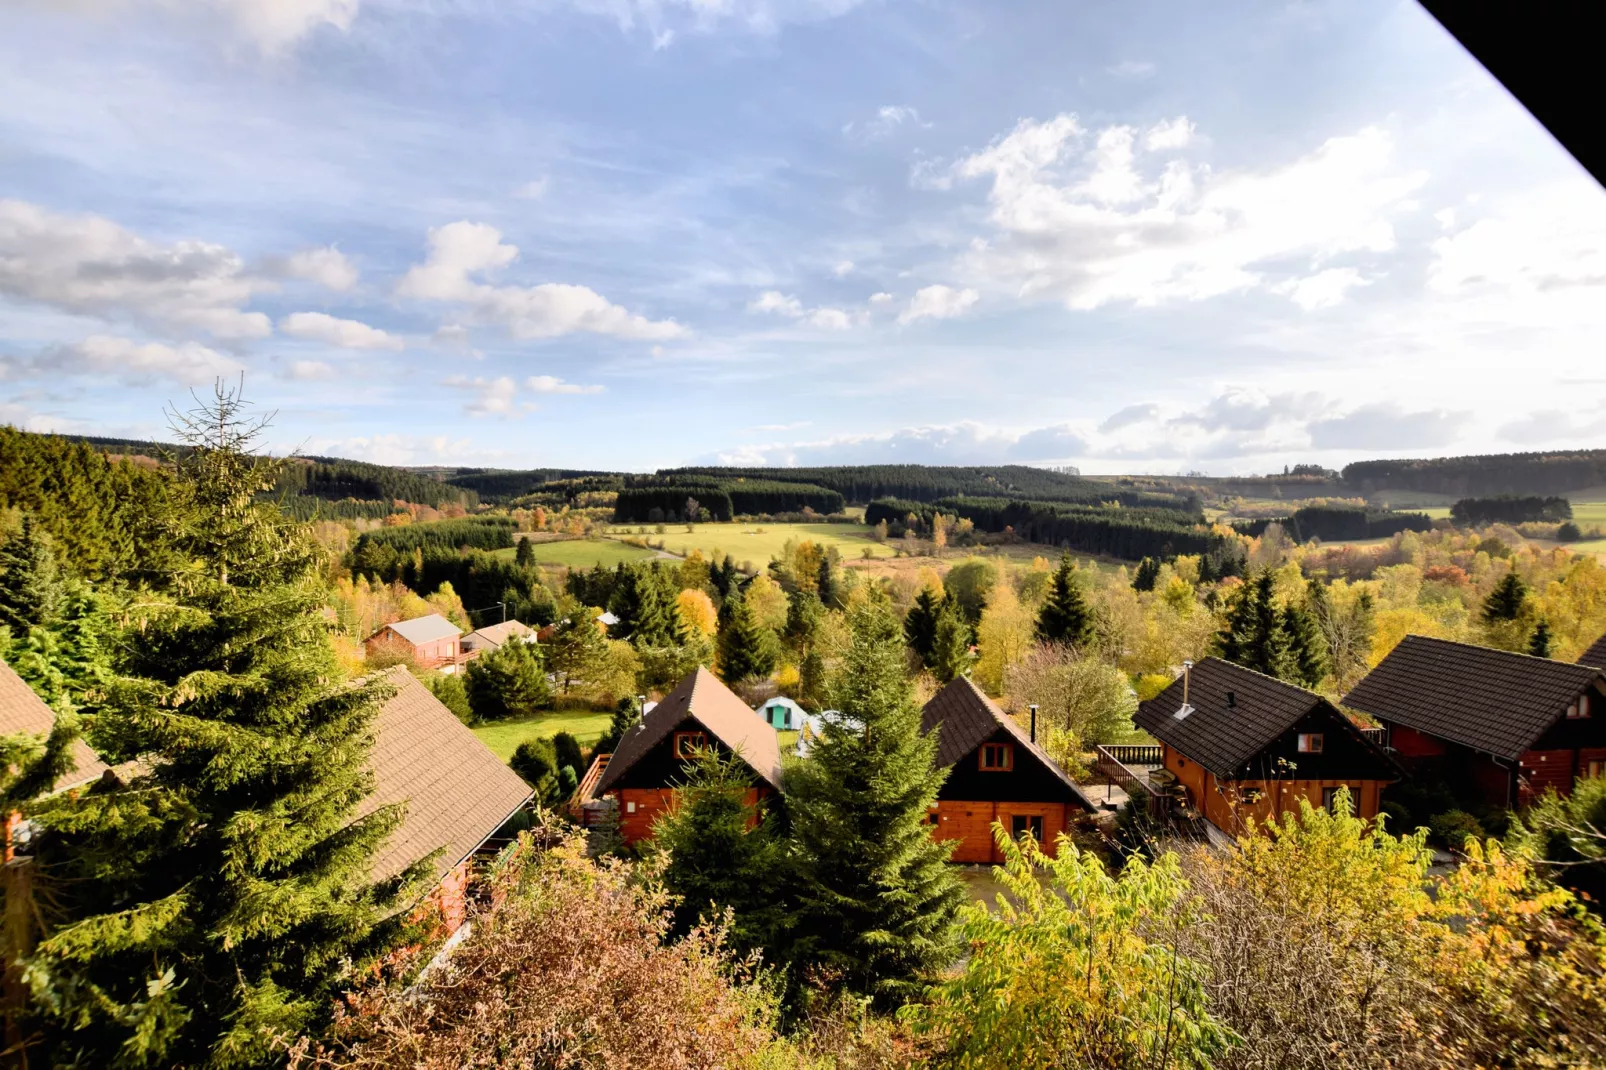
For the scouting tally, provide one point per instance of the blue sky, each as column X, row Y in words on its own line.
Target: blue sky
column 636, row 233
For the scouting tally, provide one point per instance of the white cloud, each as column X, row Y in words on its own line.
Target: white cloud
column 830, row 319
column 1086, row 226
column 773, row 301
column 463, row 249
column 1131, row 68
column 1387, row 426
column 1553, row 426
column 533, row 190
column 272, row 25
column 138, row 363
column 882, row 298
column 342, row 333
column 1169, row 134
column 328, row 267
column 491, row 397
column 1549, row 240
column 888, row 118
column 938, row 302
column 661, row 19
column 843, row 267
column 1323, row 289
column 310, row 370
column 90, row 265
column 405, row 449
column 547, row 384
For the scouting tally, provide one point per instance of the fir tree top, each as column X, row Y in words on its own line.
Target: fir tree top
column 1065, row 617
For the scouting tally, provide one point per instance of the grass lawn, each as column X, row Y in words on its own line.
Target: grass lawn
column 504, row 737
column 583, row 553
column 1587, row 514
column 756, row 543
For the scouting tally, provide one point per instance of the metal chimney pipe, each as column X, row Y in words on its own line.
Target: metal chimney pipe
column 1186, row 667
column 1033, row 708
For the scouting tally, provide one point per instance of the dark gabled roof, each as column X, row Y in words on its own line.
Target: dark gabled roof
column 22, row 711
column 702, row 697
column 457, row 792
column 1222, row 738
column 968, row 718
column 1490, row 700
column 1595, row 655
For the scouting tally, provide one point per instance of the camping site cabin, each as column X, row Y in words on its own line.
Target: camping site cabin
column 652, row 759
column 1244, row 745
column 1492, row 725
column 996, row 772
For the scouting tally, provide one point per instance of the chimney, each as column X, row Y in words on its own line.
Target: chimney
column 1232, row 701
column 1186, row 709
column 1033, row 708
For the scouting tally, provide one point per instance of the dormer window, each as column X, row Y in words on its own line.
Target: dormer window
column 690, row 744
column 1311, row 742
column 1580, row 709
column 997, row 757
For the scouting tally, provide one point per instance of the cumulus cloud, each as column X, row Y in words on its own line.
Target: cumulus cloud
column 310, row 370
column 1553, row 240
column 882, row 298
column 124, row 360
column 1088, row 224
column 87, row 264
column 939, row 303
column 490, row 397
column 327, row 266
column 344, row 334
column 1387, row 426
column 458, row 252
column 888, row 118
column 843, row 267
column 547, row 384
column 773, row 301
column 1556, row 426
column 396, row 449
column 830, row 319
column 1132, row 414
column 1323, row 289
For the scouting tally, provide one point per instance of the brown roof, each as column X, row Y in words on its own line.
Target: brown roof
column 1595, row 655
column 23, row 711
column 457, row 792
column 1223, row 738
column 704, row 698
column 1490, row 700
column 968, row 717
column 495, row 635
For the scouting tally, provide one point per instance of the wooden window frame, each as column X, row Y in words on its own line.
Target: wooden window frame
column 1007, row 750
column 1027, row 819
column 681, row 750
column 1311, row 742
column 1581, row 709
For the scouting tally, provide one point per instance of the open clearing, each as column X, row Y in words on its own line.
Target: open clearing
column 504, row 737
column 583, row 553
column 755, row 543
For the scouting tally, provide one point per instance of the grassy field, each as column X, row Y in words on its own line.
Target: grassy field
column 583, row 553
column 757, row 543
column 1588, row 514
column 504, row 737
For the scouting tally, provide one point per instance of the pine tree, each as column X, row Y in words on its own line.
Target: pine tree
column 524, row 556
column 577, row 647
column 568, row 752
column 626, row 715
column 1148, row 573
column 31, row 589
column 507, row 682
column 803, row 612
column 213, row 907
column 920, row 626
column 536, row 761
column 950, row 650
column 1307, row 648
column 1539, row 642
column 1255, row 634
column 747, row 649
column 453, row 695
column 1505, row 602
column 1065, row 617
column 876, row 900
column 826, row 588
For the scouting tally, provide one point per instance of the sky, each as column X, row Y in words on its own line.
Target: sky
column 629, row 234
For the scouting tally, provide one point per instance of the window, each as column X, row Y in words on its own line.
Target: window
column 1595, row 767
column 1021, row 824
column 1329, row 799
column 1579, row 709
column 933, row 816
column 687, row 744
column 997, row 757
column 1311, row 742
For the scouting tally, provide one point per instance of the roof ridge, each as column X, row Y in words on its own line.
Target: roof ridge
column 1496, row 650
column 1253, row 672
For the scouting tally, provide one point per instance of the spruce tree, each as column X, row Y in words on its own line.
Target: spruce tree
column 1148, row 573
column 1065, row 617
column 536, row 762
column 876, row 899
column 1308, row 660
column 1505, row 602
column 507, row 682
column 803, row 613
column 1255, row 634
column 950, row 650
column 212, row 908
column 747, row 650
column 626, row 715
column 577, row 647
column 31, row 589
column 453, row 695
column 826, row 586
column 1539, row 642
column 920, row 626
column 524, row 556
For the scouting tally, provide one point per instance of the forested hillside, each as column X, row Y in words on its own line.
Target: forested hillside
column 927, row 483
column 1484, row 476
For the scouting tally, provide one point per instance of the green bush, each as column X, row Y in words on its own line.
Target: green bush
column 1451, row 829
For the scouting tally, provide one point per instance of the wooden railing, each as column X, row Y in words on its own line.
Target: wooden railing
column 1134, row 753
column 588, row 783
column 1377, row 735
column 1132, row 782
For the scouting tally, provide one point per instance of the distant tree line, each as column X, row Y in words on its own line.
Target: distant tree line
column 501, row 487
column 474, row 533
column 1117, row 532
column 1507, row 473
column 721, row 500
column 1510, row 509
column 1336, row 523
column 928, row 483
column 301, row 507
column 335, row 479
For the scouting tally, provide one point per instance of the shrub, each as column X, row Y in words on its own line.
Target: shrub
column 1568, row 532
column 1451, row 829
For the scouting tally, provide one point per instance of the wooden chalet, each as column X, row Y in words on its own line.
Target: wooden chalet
column 1595, row 655
column 645, row 769
column 23, row 712
column 1242, row 745
column 1496, row 726
column 996, row 772
column 433, row 642
column 491, row 637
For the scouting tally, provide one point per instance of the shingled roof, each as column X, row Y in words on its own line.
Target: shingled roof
column 967, row 717
column 704, row 698
column 422, row 630
column 1490, row 700
column 23, row 711
column 457, row 792
column 1222, row 737
column 1595, row 655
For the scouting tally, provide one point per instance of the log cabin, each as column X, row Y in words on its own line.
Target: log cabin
column 996, row 772
column 433, row 642
column 1495, row 726
column 1244, row 745
column 24, row 713
column 651, row 761
column 1595, row 655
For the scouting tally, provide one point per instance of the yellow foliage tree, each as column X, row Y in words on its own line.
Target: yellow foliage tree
column 697, row 610
column 768, row 601
column 1004, row 636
